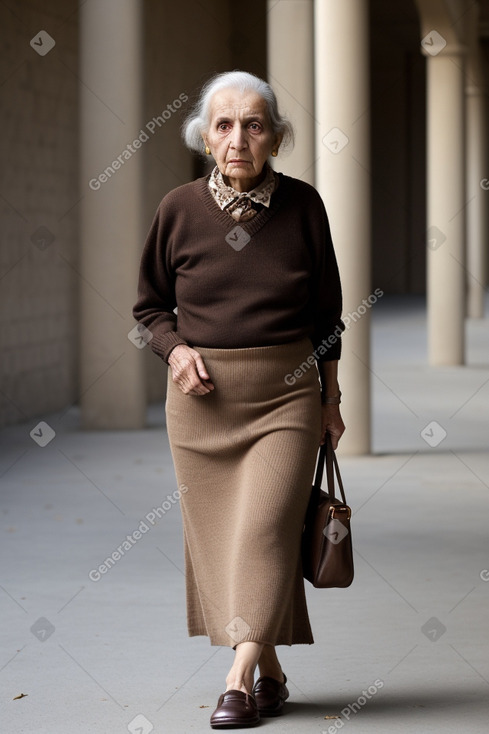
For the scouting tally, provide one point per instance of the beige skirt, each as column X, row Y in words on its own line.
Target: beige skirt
column 245, row 454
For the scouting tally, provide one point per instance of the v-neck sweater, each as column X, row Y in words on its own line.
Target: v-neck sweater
column 268, row 281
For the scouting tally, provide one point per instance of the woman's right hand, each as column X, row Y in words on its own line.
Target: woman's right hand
column 188, row 371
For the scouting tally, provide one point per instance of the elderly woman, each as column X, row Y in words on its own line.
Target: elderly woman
column 245, row 257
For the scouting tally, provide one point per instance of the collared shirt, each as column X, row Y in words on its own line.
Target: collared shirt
column 243, row 206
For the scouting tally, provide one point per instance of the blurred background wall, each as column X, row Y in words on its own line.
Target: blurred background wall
column 43, row 191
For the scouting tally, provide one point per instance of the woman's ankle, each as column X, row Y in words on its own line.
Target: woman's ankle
column 240, row 683
column 241, row 677
column 269, row 665
column 272, row 672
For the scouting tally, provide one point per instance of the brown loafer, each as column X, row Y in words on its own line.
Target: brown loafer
column 235, row 709
column 270, row 695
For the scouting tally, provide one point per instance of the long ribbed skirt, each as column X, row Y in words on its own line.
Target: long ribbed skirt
column 244, row 455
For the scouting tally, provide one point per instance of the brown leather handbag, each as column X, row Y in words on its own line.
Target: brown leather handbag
column 327, row 556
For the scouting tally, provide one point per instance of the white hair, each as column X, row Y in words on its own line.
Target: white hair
column 198, row 119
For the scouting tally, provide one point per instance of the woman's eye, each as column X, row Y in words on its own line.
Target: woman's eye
column 255, row 126
column 223, row 126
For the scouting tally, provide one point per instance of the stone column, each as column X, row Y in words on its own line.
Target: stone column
column 443, row 32
column 476, row 172
column 291, row 73
column 111, row 368
column 446, row 208
column 343, row 180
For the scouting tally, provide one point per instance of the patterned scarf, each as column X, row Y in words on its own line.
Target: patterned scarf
column 246, row 205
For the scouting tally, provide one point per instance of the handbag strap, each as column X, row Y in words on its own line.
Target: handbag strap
column 327, row 457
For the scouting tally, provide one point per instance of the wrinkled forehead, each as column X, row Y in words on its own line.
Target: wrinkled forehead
column 236, row 104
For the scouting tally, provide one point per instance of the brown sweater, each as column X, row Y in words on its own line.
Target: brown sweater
column 271, row 280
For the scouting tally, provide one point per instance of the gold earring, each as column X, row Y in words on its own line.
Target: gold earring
column 274, row 153
column 207, row 150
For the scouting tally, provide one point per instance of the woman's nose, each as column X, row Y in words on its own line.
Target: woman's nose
column 238, row 138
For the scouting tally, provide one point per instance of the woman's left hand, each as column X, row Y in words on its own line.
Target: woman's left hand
column 332, row 423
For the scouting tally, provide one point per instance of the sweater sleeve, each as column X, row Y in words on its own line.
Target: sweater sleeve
column 156, row 300
column 327, row 299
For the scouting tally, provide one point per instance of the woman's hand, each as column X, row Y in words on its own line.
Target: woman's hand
column 332, row 423
column 188, row 371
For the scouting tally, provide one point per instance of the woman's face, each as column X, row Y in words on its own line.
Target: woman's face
column 240, row 137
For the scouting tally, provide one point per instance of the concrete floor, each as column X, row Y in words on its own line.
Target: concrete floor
column 112, row 655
